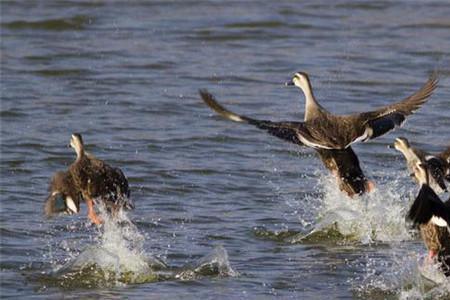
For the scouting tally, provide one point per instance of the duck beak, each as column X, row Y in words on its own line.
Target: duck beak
column 289, row 83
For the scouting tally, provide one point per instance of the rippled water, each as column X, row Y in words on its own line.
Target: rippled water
column 207, row 191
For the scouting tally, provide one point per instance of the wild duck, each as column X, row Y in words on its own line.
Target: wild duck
column 332, row 135
column 342, row 163
column 95, row 179
column 437, row 164
column 324, row 130
column 63, row 196
column 433, row 218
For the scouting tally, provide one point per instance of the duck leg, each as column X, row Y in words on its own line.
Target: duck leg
column 91, row 213
column 370, row 186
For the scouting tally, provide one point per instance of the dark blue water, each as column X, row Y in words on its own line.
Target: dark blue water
column 126, row 76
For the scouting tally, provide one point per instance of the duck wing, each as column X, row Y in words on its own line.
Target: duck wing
column 381, row 121
column 288, row 131
column 427, row 206
column 437, row 170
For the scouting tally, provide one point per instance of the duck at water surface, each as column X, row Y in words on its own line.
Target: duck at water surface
column 433, row 218
column 91, row 179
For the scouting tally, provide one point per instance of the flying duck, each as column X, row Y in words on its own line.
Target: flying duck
column 438, row 165
column 433, row 218
column 324, row 130
column 343, row 163
column 63, row 196
column 95, row 179
column 332, row 135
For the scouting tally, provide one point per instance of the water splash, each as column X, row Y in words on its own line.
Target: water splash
column 406, row 275
column 118, row 257
column 376, row 216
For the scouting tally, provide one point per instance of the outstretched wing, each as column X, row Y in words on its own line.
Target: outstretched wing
column 427, row 206
column 387, row 118
column 288, row 131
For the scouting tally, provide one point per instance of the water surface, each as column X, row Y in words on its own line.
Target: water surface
column 126, row 76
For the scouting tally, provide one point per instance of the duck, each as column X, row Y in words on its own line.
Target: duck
column 324, row 130
column 432, row 216
column 342, row 163
column 63, row 196
column 95, row 179
column 438, row 164
column 332, row 135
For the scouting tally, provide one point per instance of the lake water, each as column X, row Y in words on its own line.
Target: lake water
column 208, row 191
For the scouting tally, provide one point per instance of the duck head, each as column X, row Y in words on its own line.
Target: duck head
column 401, row 144
column 76, row 142
column 300, row 80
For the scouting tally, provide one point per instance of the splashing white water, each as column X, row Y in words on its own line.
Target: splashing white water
column 119, row 249
column 118, row 257
column 405, row 274
column 376, row 216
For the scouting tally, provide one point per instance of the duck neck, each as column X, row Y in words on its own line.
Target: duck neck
column 408, row 153
column 80, row 153
column 311, row 105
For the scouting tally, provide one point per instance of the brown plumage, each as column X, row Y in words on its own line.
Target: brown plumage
column 433, row 218
column 97, row 180
column 322, row 129
column 343, row 164
column 63, row 196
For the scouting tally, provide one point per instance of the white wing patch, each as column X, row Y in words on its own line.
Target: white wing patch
column 71, row 204
column 364, row 137
column 235, row 118
column 438, row 221
column 311, row 144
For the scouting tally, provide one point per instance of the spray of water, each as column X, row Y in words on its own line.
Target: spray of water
column 117, row 256
column 376, row 216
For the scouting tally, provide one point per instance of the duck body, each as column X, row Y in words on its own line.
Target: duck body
column 88, row 179
column 96, row 179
